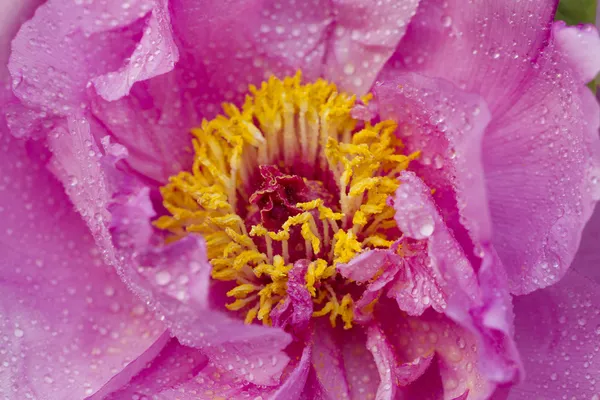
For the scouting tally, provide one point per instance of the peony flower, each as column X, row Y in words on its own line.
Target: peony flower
column 298, row 200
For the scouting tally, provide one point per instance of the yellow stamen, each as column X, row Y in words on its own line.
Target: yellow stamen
column 281, row 121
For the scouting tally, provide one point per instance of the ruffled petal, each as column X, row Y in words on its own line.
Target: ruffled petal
column 456, row 352
column 483, row 310
column 447, row 126
column 75, row 43
column 73, row 329
column 153, row 122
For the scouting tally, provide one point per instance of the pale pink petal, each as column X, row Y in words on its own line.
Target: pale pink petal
column 72, row 328
column 579, row 44
column 416, row 289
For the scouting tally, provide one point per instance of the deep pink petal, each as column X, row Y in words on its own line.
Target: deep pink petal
column 328, row 362
column 65, row 314
column 297, row 308
column 587, row 259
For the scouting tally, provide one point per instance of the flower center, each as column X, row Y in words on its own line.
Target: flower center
column 289, row 179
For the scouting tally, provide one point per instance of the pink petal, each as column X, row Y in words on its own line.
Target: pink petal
column 391, row 373
column 557, row 331
column 155, row 54
column 344, row 367
column 456, row 352
column 12, row 15
column 73, row 328
column 153, row 122
column 540, row 113
column 226, row 46
column 551, row 120
column 219, row 384
column 485, row 310
column 173, row 279
column 296, row 311
column 483, row 47
column 579, row 44
column 174, row 365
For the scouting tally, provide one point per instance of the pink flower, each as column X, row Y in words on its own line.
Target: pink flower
column 395, row 222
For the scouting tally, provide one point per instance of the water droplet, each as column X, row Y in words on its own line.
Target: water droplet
column 18, row 332
column 162, row 278
column 426, row 230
